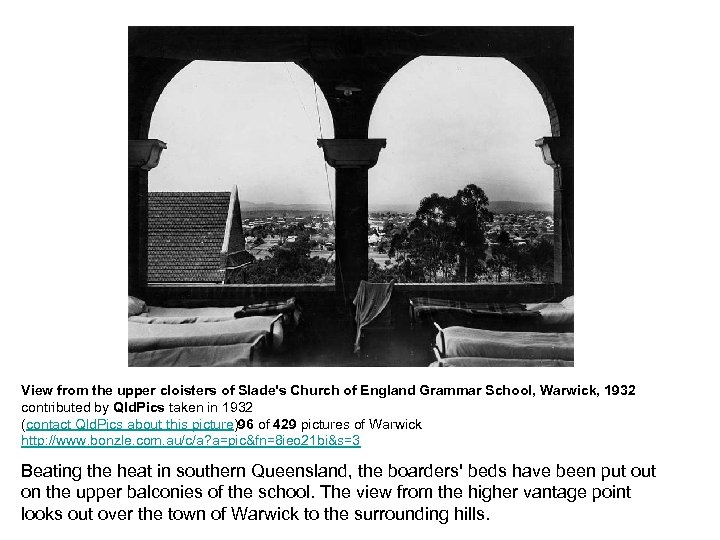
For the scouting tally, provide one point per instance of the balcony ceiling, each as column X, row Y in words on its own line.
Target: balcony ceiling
column 302, row 44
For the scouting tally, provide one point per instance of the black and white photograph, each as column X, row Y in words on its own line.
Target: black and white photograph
column 350, row 196
column 378, row 185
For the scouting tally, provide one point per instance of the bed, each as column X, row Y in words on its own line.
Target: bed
column 537, row 317
column 153, row 314
column 458, row 346
column 236, row 336
column 474, row 361
column 233, row 355
column 235, row 342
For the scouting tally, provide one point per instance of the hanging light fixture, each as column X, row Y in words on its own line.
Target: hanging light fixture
column 347, row 88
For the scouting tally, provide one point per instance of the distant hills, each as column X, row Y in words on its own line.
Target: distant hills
column 249, row 205
column 252, row 210
column 500, row 207
column 513, row 207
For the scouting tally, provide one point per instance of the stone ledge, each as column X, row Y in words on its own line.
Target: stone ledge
column 351, row 153
column 145, row 154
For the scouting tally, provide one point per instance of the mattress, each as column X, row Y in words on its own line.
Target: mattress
column 541, row 317
column 156, row 314
column 553, row 313
column 424, row 307
column 289, row 309
column 460, row 341
column 144, row 336
column 237, row 355
column 499, row 362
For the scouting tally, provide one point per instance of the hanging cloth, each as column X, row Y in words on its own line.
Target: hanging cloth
column 370, row 300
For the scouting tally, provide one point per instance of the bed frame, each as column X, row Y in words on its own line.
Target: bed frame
column 442, row 360
column 263, row 343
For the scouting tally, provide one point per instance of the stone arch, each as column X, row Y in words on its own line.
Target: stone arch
column 147, row 78
column 548, row 82
column 544, row 91
column 535, row 78
column 369, row 54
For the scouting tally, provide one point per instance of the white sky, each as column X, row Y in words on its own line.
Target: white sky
column 448, row 122
column 454, row 121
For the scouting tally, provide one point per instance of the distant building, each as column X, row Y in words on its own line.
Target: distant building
column 195, row 237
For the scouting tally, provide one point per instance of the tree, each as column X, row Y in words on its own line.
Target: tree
column 388, row 227
column 432, row 239
column 402, row 272
column 382, row 246
column 470, row 208
column 502, row 255
column 543, row 256
column 399, row 244
column 447, row 236
column 448, row 241
column 288, row 264
column 261, row 231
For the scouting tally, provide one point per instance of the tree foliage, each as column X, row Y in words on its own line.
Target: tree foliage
column 447, row 237
column 290, row 263
column 446, row 242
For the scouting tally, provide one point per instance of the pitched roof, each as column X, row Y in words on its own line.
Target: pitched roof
column 185, row 236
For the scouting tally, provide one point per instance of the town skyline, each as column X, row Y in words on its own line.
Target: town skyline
column 496, row 206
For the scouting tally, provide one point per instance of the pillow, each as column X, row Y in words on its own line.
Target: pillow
column 569, row 302
column 536, row 307
column 135, row 306
column 557, row 314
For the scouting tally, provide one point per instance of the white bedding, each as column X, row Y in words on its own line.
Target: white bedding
column 459, row 341
column 499, row 362
column 553, row 313
column 155, row 314
column 237, row 355
column 172, row 334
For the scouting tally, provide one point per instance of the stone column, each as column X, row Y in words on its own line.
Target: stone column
column 351, row 159
column 558, row 153
column 143, row 155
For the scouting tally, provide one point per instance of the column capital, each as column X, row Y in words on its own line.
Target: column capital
column 144, row 154
column 555, row 151
column 351, row 153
